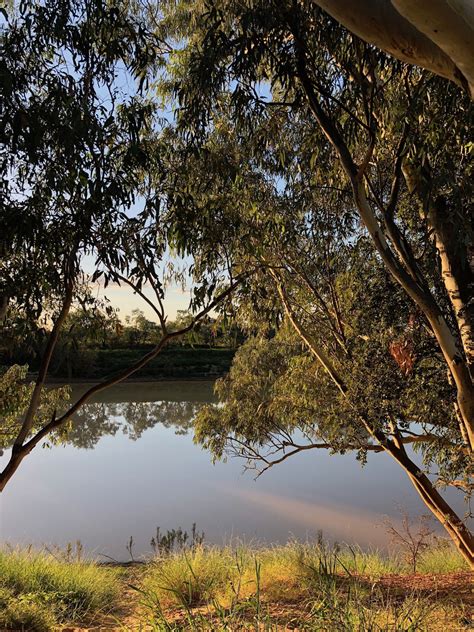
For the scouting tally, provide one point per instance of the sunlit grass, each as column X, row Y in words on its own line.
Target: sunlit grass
column 25, row 612
column 442, row 559
column 39, row 587
column 188, row 578
column 372, row 563
column 313, row 585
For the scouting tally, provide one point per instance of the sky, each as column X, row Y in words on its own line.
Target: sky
column 124, row 299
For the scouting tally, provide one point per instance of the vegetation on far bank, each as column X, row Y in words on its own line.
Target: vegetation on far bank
column 307, row 586
column 93, row 347
column 175, row 362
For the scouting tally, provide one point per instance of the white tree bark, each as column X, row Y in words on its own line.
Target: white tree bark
column 464, row 8
column 445, row 26
column 437, row 35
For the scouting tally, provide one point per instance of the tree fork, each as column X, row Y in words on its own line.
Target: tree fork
column 422, row 297
column 454, row 526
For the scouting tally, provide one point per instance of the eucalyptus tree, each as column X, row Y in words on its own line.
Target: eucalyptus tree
column 82, row 168
column 312, row 109
column 436, row 35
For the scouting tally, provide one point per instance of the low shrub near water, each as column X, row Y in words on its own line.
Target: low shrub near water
column 38, row 590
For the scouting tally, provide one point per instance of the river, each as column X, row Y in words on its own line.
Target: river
column 131, row 465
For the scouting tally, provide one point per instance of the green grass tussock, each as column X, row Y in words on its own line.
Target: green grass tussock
column 371, row 563
column 442, row 558
column 38, row 590
column 25, row 612
column 307, row 586
column 188, row 578
column 237, row 588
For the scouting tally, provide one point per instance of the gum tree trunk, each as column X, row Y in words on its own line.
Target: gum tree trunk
column 458, row 532
column 434, row 34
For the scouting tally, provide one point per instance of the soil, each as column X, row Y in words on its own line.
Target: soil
column 452, row 589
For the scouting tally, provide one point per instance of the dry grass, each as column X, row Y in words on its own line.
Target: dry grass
column 298, row 586
column 310, row 587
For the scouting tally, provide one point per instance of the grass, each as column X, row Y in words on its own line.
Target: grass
column 189, row 578
column 373, row 563
column 39, row 590
column 307, row 586
column 24, row 612
column 311, row 586
column 442, row 558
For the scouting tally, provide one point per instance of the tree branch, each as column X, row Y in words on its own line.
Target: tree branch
column 43, row 370
column 22, row 450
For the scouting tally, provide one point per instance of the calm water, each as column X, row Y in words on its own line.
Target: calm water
column 132, row 465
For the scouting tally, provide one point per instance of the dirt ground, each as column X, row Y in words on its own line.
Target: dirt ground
column 452, row 589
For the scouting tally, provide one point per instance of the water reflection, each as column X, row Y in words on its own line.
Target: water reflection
column 340, row 521
column 132, row 408
column 98, row 420
column 127, row 468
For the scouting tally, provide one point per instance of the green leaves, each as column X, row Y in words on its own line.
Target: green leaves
column 15, row 394
column 74, row 142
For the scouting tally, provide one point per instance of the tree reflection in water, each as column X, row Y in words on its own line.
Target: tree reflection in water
column 97, row 420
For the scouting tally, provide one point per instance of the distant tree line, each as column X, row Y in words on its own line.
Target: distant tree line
column 87, row 331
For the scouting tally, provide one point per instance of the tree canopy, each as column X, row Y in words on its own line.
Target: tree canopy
column 355, row 208
column 85, row 167
column 324, row 183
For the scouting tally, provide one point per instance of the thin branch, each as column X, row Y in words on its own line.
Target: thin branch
column 141, row 294
column 21, row 451
column 250, row 453
column 43, row 370
column 397, row 173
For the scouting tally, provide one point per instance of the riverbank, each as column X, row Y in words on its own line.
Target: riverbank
column 298, row 586
column 172, row 363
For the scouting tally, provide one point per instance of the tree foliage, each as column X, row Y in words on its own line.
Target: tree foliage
column 327, row 182
column 85, row 167
column 354, row 207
